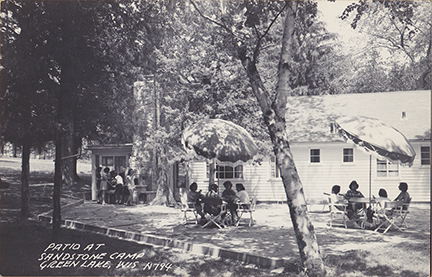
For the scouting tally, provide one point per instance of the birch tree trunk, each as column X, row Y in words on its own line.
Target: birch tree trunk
column 274, row 117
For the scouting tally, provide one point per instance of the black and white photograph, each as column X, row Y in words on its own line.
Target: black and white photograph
column 215, row 138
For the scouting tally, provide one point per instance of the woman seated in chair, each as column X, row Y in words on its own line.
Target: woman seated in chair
column 403, row 196
column 337, row 198
column 212, row 193
column 195, row 197
column 353, row 208
column 244, row 200
column 383, row 197
column 230, row 197
column 381, row 200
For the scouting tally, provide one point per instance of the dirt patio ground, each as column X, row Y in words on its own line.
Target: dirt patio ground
column 272, row 234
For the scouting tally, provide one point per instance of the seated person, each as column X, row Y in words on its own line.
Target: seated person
column 230, row 197
column 195, row 196
column 337, row 198
column 403, row 195
column 383, row 197
column 353, row 193
column 244, row 200
column 212, row 193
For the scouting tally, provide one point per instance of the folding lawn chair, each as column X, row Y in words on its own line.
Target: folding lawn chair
column 216, row 219
column 402, row 213
column 388, row 214
column 337, row 209
column 325, row 200
column 189, row 207
column 246, row 208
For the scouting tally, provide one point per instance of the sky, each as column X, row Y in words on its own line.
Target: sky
column 330, row 11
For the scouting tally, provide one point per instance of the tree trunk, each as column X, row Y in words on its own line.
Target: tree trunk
column 274, row 117
column 57, row 187
column 164, row 193
column 25, row 174
column 304, row 230
column 305, row 235
column 15, row 150
column 69, row 160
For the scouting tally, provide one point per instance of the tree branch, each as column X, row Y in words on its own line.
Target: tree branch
column 274, row 20
column 258, row 45
column 211, row 20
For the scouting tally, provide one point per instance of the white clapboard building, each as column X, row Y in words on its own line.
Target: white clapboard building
column 324, row 159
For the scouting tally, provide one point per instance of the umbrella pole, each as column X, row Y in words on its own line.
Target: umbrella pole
column 370, row 179
column 211, row 174
column 218, row 181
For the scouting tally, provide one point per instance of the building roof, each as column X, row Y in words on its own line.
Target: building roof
column 126, row 146
column 308, row 117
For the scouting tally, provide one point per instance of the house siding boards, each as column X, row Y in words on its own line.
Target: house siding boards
column 308, row 120
column 319, row 178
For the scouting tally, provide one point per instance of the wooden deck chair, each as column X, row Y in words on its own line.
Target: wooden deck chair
column 402, row 213
column 337, row 209
column 215, row 219
column 246, row 208
column 388, row 215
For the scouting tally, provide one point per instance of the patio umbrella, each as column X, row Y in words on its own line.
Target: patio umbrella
column 376, row 138
column 219, row 139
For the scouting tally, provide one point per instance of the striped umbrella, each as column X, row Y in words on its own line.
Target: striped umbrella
column 219, row 139
column 377, row 139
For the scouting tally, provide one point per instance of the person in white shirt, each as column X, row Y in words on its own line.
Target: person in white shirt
column 335, row 195
column 242, row 194
column 118, row 187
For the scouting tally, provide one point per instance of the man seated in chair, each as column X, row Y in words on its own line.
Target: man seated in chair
column 195, row 197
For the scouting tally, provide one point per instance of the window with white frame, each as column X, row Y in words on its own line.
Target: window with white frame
column 314, row 155
column 238, row 172
column 274, row 170
column 348, row 155
column 387, row 169
column 425, row 155
column 224, row 171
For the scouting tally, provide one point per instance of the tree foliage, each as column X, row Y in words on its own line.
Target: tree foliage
column 402, row 30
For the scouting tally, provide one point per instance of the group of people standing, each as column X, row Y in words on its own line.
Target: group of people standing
column 115, row 188
column 354, row 208
column 231, row 198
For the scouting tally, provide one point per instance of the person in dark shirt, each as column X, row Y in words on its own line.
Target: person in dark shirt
column 195, row 196
column 230, row 196
column 403, row 195
column 209, row 208
column 98, row 184
column 353, row 208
